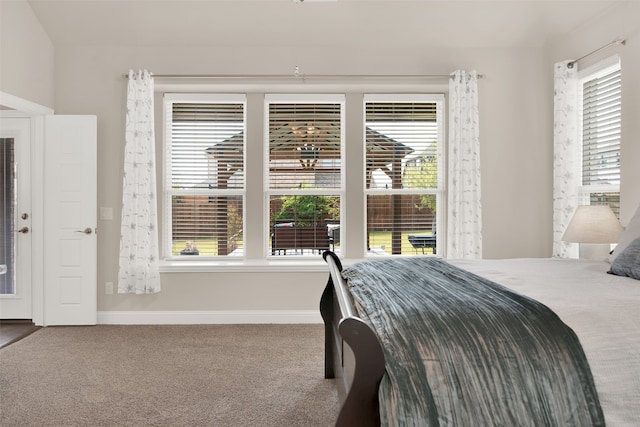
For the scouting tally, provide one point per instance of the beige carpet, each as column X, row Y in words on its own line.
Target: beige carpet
column 200, row 375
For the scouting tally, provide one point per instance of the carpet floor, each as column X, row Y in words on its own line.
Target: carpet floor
column 161, row 375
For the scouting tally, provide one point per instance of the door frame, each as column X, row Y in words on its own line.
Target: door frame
column 19, row 107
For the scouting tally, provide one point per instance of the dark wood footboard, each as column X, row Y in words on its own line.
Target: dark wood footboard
column 357, row 367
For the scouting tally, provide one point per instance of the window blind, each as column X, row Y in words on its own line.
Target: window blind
column 207, row 143
column 601, row 115
column 304, row 145
column 305, row 161
column 402, row 176
column 207, row 178
column 401, row 145
column 213, row 224
column 393, row 219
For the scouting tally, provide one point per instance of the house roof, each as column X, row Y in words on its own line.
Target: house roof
column 383, row 149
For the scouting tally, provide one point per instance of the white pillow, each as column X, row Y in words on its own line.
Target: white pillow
column 630, row 233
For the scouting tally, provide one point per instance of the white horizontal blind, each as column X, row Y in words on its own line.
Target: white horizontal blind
column 206, row 182
column 304, row 145
column 207, row 145
column 402, row 142
column 601, row 118
column 601, row 113
column 402, row 175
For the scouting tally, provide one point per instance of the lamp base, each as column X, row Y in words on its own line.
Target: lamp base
column 595, row 251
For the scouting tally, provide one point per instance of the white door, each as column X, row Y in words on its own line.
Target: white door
column 15, row 219
column 70, row 241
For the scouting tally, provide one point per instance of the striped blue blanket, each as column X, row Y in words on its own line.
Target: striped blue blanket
column 461, row 350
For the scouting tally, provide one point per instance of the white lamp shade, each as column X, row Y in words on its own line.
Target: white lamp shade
column 593, row 224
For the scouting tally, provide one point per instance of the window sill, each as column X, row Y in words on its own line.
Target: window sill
column 310, row 265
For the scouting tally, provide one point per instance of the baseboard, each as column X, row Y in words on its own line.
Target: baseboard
column 207, row 317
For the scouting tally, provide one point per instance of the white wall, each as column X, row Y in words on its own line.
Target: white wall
column 26, row 55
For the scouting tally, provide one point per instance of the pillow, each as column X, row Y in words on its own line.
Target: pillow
column 630, row 233
column 628, row 262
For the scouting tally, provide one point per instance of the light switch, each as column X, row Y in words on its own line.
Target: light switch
column 106, row 214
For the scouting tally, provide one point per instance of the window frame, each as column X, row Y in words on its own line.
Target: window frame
column 440, row 190
column 300, row 98
column 595, row 71
column 352, row 196
column 168, row 192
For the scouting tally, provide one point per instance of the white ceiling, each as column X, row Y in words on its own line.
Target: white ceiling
column 284, row 23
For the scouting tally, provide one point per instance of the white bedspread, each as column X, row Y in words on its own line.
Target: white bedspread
column 602, row 309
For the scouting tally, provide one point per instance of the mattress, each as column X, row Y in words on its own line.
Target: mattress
column 602, row 309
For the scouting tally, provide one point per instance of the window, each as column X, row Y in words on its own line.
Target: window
column 263, row 176
column 8, row 198
column 204, row 175
column 600, row 122
column 304, row 184
column 403, row 173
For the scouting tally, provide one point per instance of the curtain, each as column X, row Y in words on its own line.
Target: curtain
column 138, row 266
column 566, row 156
column 464, row 227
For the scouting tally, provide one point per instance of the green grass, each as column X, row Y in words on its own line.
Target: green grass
column 382, row 240
column 377, row 239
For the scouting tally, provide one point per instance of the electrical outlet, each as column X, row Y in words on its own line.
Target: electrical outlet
column 108, row 288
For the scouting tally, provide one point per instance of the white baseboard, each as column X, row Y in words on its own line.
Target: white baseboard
column 207, row 317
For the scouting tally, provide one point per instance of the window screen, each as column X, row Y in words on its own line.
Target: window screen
column 601, row 114
column 402, row 140
column 304, row 145
column 206, row 182
column 601, row 130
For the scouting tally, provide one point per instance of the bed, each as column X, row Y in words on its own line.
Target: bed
column 595, row 315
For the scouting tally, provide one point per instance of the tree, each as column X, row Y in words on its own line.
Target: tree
column 306, row 209
column 422, row 172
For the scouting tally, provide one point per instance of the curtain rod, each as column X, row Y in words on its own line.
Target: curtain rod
column 302, row 76
column 619, row 40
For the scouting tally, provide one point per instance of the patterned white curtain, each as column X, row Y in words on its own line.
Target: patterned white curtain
column 464, row 227
column 566, row 156
column 138, row 269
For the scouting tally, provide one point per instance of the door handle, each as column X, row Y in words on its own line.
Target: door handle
column 85, row 231
column 24, row 230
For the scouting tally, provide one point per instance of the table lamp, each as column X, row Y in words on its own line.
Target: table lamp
column 595, row 228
